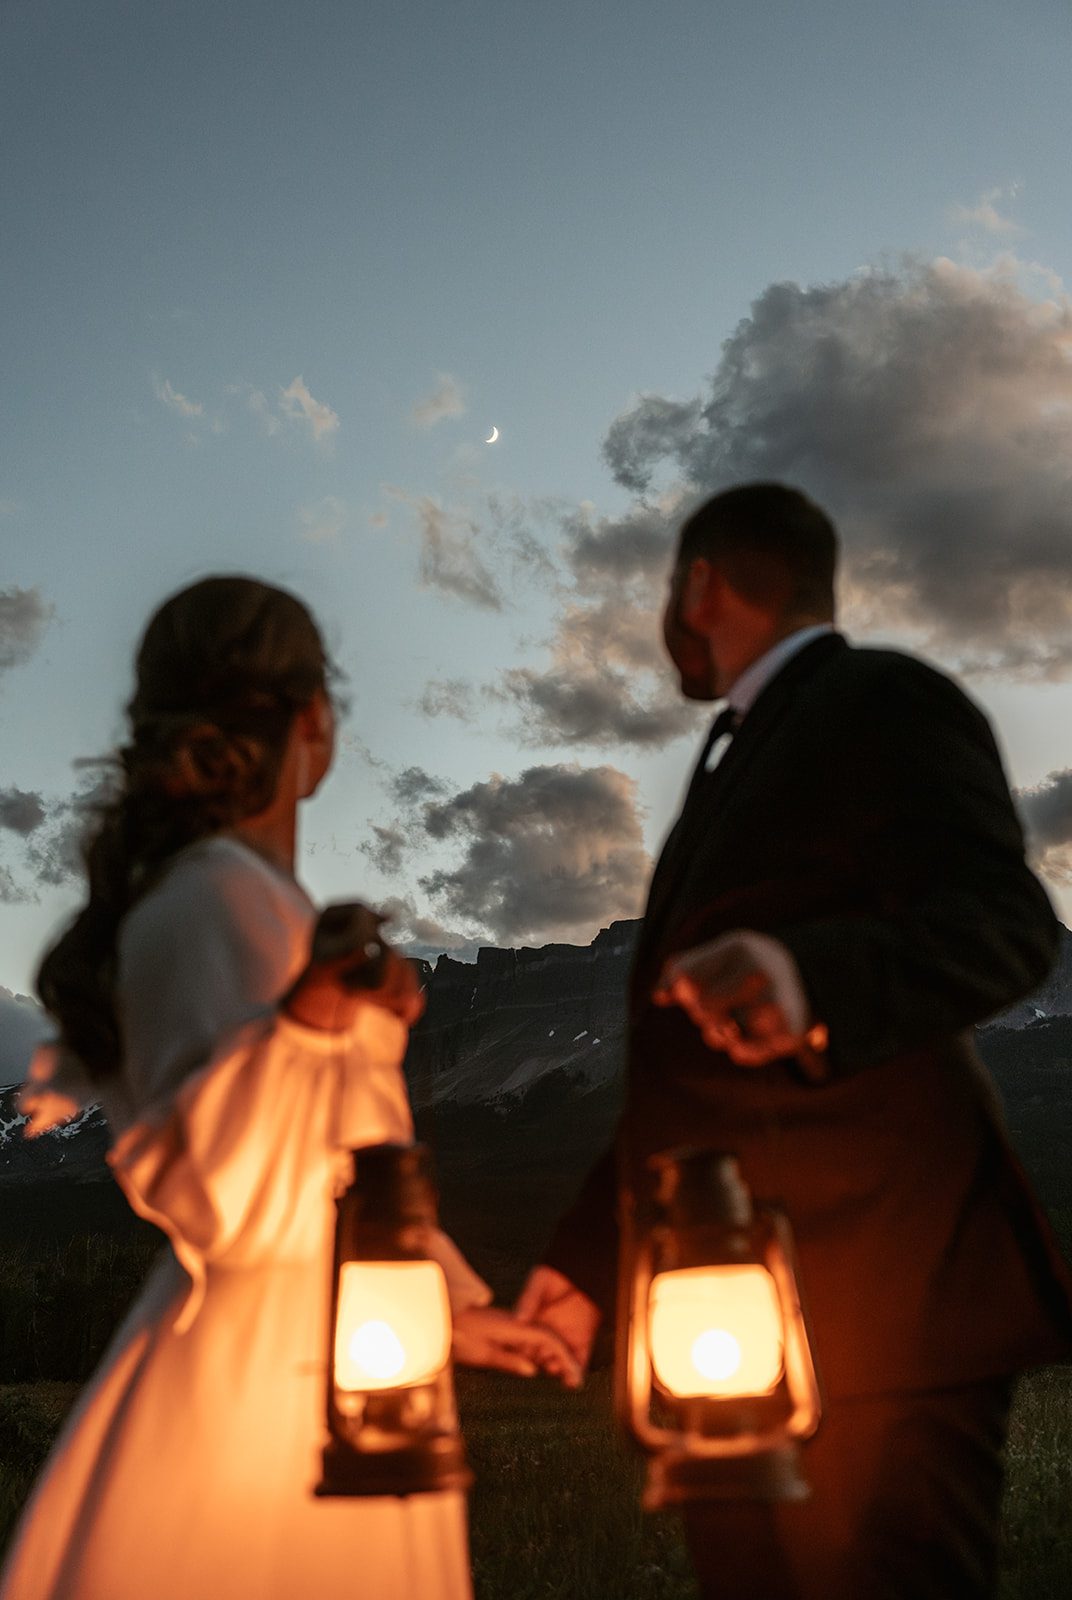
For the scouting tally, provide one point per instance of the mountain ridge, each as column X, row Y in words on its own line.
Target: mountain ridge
column 535, row 1037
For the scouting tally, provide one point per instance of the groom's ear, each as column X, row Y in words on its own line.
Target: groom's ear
column 701, row 594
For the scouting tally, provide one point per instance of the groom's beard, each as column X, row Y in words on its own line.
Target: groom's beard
column 690, row 653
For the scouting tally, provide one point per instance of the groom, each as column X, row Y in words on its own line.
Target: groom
column 844, row 892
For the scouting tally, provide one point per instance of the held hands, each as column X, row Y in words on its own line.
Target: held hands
column 738, row 990
column 550, row 1301
column 486, row 1336
column 351, row 965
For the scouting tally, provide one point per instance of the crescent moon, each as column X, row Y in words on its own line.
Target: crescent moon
column 492, row 436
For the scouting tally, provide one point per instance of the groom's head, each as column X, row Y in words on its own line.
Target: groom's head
column 753, row 565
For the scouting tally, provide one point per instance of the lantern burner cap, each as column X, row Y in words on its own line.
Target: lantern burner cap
column 695, row 1186
column 393, row 1183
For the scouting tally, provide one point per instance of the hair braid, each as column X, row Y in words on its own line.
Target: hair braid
column 221, row 671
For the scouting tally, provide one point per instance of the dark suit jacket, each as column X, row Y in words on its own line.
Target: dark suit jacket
column 862, row 817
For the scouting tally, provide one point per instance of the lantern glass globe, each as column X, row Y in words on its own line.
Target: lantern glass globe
column 393, row 1326
column 716, row 1331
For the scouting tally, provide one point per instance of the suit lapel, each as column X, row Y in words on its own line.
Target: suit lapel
column 769, row 709
column 708, row 793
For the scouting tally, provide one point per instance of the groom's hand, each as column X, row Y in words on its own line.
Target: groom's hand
column 486, row 1336
column 744, row 993
column 550, row 1300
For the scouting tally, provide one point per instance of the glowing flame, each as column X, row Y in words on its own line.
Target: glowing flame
column 716, row 1354
column 376, row 1348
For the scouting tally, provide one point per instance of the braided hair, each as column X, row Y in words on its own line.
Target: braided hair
column 221, row 671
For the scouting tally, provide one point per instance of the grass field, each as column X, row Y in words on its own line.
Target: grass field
column 1037, row 1523
column 555, row 1512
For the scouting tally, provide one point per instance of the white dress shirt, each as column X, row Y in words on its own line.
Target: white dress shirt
column 746, row 690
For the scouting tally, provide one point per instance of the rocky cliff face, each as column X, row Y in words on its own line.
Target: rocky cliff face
column 1054, row 999
column 495, row 1028
column 515, row 1072
column 72, row 1154
column 493, row 1033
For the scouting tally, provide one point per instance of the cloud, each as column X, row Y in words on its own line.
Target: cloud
column 387, row 849
column 1046, row 811
column 443, row 402
column 413, row 785
column 323, row 521
column 593, row 707
column 606, row 681
column 553, row 854
column 985, row 215
column 650, row 430
column 424, row 937
column 13, row 893
column 24, row 615
column 447, row 697
column 52, row 834
column 449, row 559
column 293, row 407
column 23, row 1025
column 55, row 855
column 350, row 743
column 21, row 811
column 930, row 410
column 633, row 547
column 175, row 401
column 298, row 405
column 54, row 852
column 261, row 407
column 928, row 406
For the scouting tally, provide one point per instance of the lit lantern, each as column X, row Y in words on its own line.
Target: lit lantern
column 715, row 1375
column 391, row 1415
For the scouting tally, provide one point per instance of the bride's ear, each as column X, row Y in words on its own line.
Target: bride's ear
column 321, row 719
column 316, row 729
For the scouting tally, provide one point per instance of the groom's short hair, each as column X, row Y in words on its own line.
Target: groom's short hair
column 774, row 545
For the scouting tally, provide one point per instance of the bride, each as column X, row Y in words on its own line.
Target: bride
column 234, row 1072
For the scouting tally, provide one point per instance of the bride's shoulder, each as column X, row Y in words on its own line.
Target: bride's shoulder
column 218, row 880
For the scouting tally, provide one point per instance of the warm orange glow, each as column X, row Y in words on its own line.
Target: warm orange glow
column 393, row 1324
column 716, row 1331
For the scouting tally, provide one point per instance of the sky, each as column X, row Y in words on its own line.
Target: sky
column 273, row 273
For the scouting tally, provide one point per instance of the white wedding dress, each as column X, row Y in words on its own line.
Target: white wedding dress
column 187, row 1467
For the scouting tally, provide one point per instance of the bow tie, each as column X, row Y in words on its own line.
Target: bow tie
column 727, row 722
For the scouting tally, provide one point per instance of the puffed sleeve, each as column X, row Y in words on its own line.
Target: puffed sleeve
column 465, row 1287
column 57, row 1089
column 242, row 1115
column 238, row 1113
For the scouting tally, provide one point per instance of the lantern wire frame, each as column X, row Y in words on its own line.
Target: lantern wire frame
column 401, row 1437
column 713, row 1446
column 636, row 1383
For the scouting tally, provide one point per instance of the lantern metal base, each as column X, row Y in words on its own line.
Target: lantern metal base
column 677, row 1479
column 427, row 1468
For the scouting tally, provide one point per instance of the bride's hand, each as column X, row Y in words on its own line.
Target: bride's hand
column 486, row 1336
column 351, row 966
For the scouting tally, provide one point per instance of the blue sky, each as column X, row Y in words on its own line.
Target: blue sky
column 242, row 243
